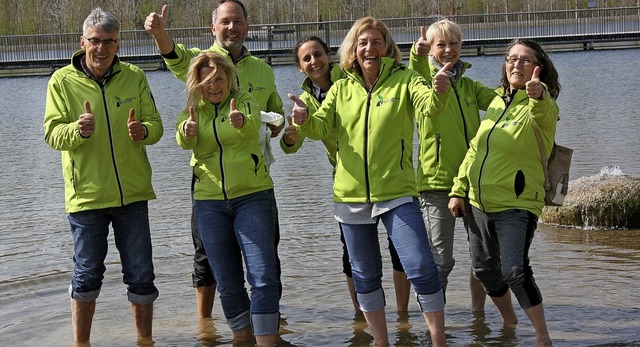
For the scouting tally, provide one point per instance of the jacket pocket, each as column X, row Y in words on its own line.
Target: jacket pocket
column 519, row 183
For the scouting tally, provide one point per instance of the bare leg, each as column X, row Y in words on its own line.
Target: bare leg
column 243, row 335
column 81, row 318
column 143, row 319
column 204, row 300
column 402, row 288
column 352, row 293
column 505, row 307
column 378, row 325
column 266, row 340
column 435, row 323
column 536, row 316
column 478, row 295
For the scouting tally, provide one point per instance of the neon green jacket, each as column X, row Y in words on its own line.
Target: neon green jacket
column 254, row 75
column 107, row 169
column 375, row 131
column 228, row 162
column 313, row 104
column 502, row 169
column 444, row 140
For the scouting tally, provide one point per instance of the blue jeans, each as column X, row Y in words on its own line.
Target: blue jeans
column 406, row 229
column 237, row 229
column 133, row 240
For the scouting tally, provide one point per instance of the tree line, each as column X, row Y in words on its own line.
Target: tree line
column 28, row 17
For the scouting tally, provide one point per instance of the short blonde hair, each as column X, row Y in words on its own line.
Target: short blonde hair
column 347, row 51
column 214, row 61
column 446, row 29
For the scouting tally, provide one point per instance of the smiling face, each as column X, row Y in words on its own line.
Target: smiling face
column 519, row 66
column 369, row 52
column 445, row 50
column 313, row 61
column 99, row 57
column 230, row 27
column 216, row 88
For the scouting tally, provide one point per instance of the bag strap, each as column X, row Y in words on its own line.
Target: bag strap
column 543, row 153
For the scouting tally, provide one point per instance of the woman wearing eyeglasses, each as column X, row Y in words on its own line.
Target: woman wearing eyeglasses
column 503, row 179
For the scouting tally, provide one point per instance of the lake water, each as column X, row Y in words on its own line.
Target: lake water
column 590, row 280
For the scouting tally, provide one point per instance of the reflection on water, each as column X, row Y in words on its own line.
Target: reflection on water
column 589, row 279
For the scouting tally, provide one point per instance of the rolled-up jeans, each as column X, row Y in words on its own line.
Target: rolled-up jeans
column 405, row 227
column 133, row 240
column 234, row 229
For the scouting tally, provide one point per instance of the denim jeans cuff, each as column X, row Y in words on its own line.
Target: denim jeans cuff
column 84, row 296
column 240, row 321
column 142, row 299
column 431, row 302
column 265, row 323
column 371, row 302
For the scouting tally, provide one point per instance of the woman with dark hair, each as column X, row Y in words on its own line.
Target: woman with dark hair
column 504, row 181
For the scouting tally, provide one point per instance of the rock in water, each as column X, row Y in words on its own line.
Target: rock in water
column 610, row 200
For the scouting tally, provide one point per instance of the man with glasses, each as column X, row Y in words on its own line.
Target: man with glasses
column 101, row 115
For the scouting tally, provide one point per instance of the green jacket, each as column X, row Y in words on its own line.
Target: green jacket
column 254, row 75
column 107, row 169
column 313, row 104
column 228, row 162
column 375, row 131
column 444, row 140
column 502, row 169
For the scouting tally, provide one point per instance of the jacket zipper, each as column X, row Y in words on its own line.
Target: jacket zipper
column 223, row 179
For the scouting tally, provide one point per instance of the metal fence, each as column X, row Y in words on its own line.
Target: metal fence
column 275, row 40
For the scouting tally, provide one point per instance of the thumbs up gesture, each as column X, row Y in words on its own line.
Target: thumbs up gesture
column 442, row 79
column 191, row 126
column 154, row 24
column 291, row 134
column 533, row 87
column 299, row 111
column 236, row 118
column 86, row 123
column 422, row 45
column 137, row 131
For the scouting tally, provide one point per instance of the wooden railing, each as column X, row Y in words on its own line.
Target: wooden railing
column 583, row 26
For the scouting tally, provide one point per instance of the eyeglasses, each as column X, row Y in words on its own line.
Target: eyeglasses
column 513, row 60
column 109, row 43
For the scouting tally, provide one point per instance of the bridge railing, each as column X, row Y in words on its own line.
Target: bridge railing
column 278, row 39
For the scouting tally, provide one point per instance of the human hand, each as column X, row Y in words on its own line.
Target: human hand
column 155, row 23
column 86, row 123
column 457, row 207
column 299, row 111
column 534, row 87
column 136, row 129
column 191, row 126
column 422, row 45
column 291, row 134
column 236, row 118
column 442, row 79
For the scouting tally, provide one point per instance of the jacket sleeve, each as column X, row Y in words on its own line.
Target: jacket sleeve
column 427, row 102
column 484, row 95
column 305, row 97
column 180, row 66
column 321, row 123
column 252, row 117
column 181, row 138
column 149, row 114
column 60, row 124
column 545, row 112
column 460, row 186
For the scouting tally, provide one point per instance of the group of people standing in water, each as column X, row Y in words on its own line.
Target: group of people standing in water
column 365, row 108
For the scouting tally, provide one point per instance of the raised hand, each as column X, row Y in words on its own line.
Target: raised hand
column 291, row 134
column 236, row 119
column 442, row 79
column 86, row 123
column 155, row 23
column 534, row 87
column 299, row 111
column 191, row 126
column 422, row 45
column 136, row 129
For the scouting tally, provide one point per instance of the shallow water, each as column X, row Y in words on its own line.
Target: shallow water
column 589, row 279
